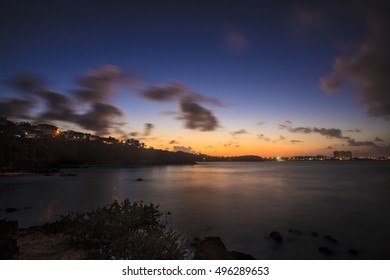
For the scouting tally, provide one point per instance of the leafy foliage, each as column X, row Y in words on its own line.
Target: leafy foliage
column 123, row 231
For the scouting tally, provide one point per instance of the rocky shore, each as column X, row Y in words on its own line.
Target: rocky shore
column 38, row 243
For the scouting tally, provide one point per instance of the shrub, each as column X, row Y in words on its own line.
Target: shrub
column 124, row 231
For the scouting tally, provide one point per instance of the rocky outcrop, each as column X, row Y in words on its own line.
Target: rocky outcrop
column 212, row 248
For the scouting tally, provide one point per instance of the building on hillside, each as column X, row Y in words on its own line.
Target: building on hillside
column 342, row 155
column 47, row 129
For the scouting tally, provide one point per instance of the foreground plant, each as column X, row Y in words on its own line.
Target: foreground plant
column 124, row 230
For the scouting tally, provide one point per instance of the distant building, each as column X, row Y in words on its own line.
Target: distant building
column 342, row 155
column 47, row 129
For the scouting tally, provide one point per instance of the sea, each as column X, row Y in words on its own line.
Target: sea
column 343, row 206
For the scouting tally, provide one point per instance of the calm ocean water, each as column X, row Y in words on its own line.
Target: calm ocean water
column 240, row 202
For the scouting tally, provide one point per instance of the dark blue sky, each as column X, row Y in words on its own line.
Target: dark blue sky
column 221, row 77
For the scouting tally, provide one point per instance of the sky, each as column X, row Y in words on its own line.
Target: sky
column 217, row 77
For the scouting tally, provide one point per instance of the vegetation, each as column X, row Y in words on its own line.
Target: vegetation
column 123, row 231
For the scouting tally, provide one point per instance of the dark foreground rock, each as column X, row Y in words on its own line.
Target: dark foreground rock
column 8, row 240
column 212, row 248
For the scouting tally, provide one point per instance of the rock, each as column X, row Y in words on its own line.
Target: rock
column 11, row 209
column 315, row 234
column 331, row 239
column 139, row 179
column 294, row 231
column 241, row 256
column 212, row 248
column 353, row 252
column 8, row 242
column 276, row 236
column 325, row 250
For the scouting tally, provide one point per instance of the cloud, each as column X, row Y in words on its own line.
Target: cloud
column 368, row 69
column 353, row 143
column 354, row 130
column 164, row 93
column 281, row 138
column 16, row 107
column 183, row 149
column 239, row 132
column 99, row 118
column 196, row 116
column 263, row 137
column 235, row 41
column 99, row 85
column 133, row 134
column 148, row 127
column 296, row 141
column 174, row 92
column 378, row 139
column 58, row 106
column 331, row 133
column 260, row 123
column 172, row 142
column 328, row 132
column 27, row 83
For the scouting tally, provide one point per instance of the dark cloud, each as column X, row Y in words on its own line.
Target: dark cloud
column 58, row 106
column 239, row 132
column 16, row 107
column 196, row 116
column 263, row 137
column 368, row 69
column 378, row 139
column 148, row 127
column 164, row 93
column 353, row 143
column 172, row 142
column 260, row 123
column 296, row 141
column 27, row 83
column 99, row 117
column 174, row 92
column 99, row 85
column 328, row 132
column 183, row 149
column 281, row 138
column 354, row 130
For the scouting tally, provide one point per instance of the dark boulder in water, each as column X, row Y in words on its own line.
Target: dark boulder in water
column 276, row 236
column 353, row 252
column 212, row 248
column 325, row 250
column 331, row 239
column 139, row 179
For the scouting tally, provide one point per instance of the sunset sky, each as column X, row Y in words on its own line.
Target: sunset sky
column 268, row 78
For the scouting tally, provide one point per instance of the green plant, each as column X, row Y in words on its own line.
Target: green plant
column 124, row 231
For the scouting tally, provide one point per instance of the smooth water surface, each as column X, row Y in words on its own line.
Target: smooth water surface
column 240, row 202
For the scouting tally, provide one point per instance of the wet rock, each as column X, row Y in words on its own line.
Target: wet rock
column 139, row 179
column 11, row 209
column 294, row 231
column 315, row 234
column 212, row 248
column 276, row 236
column 331, row 239
column 325, row 250
column 241, row 256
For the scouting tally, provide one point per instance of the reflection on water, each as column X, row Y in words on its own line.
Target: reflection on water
column 240, row 202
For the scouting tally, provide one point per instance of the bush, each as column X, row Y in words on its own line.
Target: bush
column 123, row 231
